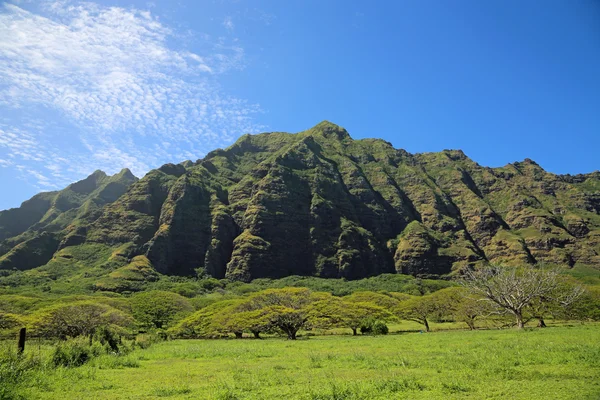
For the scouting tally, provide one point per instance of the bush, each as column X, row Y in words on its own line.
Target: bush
column 108, row 337
column 371, row 326
column 76, row 352
column 380, row 328
column 366, row 326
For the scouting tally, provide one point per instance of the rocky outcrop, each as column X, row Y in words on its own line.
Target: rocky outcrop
column 179, row 245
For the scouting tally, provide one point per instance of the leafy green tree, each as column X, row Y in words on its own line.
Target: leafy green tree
column 339, row 312
column 204, row 323
column 241, row 317
column 158, row 309
column 286, row 309
column 79, row 319
column 253, row 321
column 287, row 319
column 469, row 309
column 462, row 305
column 422, row 309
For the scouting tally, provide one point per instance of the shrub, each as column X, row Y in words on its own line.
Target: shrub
column 366, row 325
column 380, row 328
column 75, row 352
column 108, row 337
column 372, row 326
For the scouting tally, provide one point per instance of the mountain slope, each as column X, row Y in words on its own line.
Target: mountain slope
column 320, row 203
column 30, row 234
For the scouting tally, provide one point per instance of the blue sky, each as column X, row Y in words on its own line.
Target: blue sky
column 113, row 84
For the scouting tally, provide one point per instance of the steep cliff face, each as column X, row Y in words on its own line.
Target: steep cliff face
column 320, row 203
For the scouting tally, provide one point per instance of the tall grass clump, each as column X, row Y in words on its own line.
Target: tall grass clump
column 16, row 370
column 20, row 372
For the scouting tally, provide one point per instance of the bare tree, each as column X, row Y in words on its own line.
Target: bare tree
column 514, row 290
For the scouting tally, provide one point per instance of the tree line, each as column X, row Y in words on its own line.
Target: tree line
column 491, row 292
column 512, row 296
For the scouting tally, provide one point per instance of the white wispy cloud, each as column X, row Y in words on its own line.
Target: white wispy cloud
column 125, row 92
column 228, row 23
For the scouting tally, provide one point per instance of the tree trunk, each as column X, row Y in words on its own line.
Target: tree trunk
column 238, row 335
column 256, row 334
column 354, row 332
column 519, row 318
column 541, row 323
column 426, row 323
column 291, row 335
column 471, row 324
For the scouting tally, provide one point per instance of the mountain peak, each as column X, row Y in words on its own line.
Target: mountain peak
column 329, row 129
column 90, row 183
column 126, row 173
column 97, row 174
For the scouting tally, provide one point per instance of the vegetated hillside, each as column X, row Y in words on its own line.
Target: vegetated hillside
column 32, row 233
column 314, row 203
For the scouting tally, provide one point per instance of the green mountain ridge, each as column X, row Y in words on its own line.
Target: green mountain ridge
column 31, row 234
column 314, row 203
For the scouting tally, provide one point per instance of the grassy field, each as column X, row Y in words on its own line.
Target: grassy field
column 553, row 363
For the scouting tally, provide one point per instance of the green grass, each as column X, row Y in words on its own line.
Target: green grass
column 552, row 363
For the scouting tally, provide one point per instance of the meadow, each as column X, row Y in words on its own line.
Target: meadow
column 560, row 362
